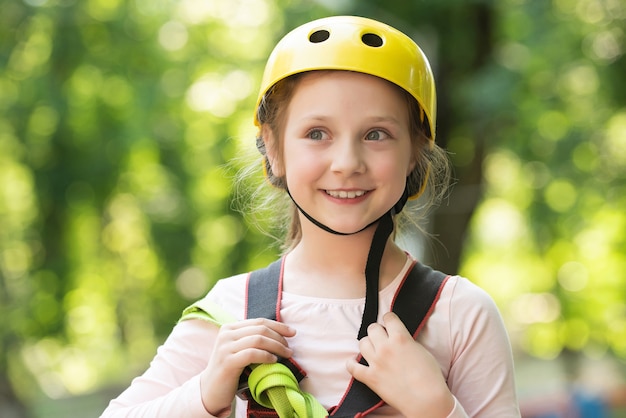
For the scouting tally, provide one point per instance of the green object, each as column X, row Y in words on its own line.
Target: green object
column 272, row 385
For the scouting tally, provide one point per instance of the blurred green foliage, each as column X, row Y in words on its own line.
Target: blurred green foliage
column 548, row 239
column 118, row 120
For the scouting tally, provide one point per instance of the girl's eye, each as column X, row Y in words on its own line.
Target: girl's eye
column 376, row 135
column 316, row 134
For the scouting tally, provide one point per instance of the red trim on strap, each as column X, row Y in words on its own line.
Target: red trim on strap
column 279, row 297
column 401, row 285
column 432, row 307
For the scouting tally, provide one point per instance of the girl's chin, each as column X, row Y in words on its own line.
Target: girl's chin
column 351, row 228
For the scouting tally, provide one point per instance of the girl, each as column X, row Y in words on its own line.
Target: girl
column 346, row 116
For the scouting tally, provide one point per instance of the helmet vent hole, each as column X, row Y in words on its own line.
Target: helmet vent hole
column 373, row 40
column 319, row 36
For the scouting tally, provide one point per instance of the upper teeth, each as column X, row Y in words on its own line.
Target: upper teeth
column 342, row 194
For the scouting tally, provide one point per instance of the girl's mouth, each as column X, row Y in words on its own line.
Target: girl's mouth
column 345, row 194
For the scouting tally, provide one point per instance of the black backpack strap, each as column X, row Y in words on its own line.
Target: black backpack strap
column 263, row 301
column 420, row 292
column 414, row 302
column 262, row 293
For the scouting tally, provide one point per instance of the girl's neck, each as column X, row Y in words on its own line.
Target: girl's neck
column 344, row 251
column 328, row 265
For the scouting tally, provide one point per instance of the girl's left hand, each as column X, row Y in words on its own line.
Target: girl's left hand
column 401, row 371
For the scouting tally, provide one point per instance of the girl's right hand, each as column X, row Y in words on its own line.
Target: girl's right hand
column 239, row 344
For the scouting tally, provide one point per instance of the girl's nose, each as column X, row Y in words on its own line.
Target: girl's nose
column 347, row 156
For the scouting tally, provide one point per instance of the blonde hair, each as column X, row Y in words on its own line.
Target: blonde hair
column 429, row 179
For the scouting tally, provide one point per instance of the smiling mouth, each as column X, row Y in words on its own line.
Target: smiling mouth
column 343, row 194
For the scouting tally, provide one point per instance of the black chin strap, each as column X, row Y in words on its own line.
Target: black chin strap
column 372, row 267
column 324, row 227
column 374, row 257
column 372, row 272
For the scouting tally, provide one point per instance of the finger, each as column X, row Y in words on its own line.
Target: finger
column 366, row 348
column 393, row 324
column 260, row 342
column 279, row 327
column 377, row 332
column 237, row 332
column 249, row 356
column 356, row 369
column 264, row 332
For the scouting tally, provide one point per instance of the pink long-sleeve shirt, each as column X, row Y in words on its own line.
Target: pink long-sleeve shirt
column 464, row 333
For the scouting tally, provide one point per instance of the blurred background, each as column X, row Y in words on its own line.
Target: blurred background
column 119, row 120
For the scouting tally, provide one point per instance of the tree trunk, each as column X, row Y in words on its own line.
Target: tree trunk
column 451, row 220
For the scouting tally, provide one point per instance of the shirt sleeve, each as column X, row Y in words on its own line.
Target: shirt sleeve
column 171, row 385
column 481, row 370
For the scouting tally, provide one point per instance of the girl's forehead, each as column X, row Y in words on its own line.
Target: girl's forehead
column 334, row 88
column 343, row 76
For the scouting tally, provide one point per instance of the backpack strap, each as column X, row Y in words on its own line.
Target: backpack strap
column 413, row 302
column 263, row 290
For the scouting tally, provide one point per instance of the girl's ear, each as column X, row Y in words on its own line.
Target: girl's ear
column 272, row 151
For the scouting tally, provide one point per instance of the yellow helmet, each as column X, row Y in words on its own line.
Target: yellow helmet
column 355, row 44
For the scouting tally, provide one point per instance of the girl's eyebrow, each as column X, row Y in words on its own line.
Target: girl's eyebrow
column 374, row 119
column 321, row 118
column 387, row 119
